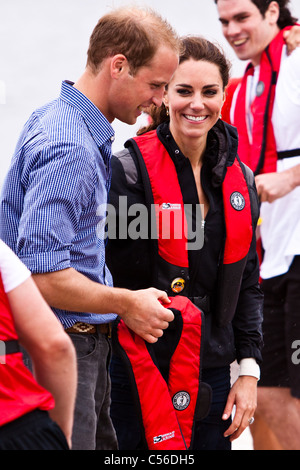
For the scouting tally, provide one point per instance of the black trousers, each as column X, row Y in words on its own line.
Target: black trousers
column 281, row 330
column 33, row 431
column 209, row 433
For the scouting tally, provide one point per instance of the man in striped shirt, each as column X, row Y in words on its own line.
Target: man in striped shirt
column 55, row 194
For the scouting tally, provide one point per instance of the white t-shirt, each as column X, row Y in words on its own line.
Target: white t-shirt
column 280, row 228
column 13, row 271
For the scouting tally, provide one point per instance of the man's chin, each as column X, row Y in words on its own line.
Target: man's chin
column 127, row 119
column 130, row 121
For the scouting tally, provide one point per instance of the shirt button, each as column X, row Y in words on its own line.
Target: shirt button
column 177, row 152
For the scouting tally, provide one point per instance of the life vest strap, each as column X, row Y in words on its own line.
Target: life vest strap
column 12, row 347
column 288, row 154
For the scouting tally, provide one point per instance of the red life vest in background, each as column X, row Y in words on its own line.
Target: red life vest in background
column 260, row 154
column 230, row 90
column 19, row 392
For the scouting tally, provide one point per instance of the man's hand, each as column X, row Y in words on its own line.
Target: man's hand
column 271, row 186
column 145, row 314
column 141, row 310
column 292, row 38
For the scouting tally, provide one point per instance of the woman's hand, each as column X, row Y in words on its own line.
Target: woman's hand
column 243, row 395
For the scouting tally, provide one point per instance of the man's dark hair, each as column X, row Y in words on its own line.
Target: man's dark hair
column 285, row 16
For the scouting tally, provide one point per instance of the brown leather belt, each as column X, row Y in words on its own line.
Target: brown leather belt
column 88, row 329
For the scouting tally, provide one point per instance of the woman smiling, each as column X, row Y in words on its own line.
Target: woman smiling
column 187, row 157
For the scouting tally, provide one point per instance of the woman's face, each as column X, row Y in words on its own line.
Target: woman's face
column 194, row 97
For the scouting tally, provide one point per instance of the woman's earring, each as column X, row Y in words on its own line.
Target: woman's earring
column 167, row 111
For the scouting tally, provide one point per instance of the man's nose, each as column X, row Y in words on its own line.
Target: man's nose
column 157, row 97
column 232, row 28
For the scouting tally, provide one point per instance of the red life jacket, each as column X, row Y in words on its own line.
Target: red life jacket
column 261, row 156
column 162, row 189
column 166, row 376
column 156, row 392
column 19, row 392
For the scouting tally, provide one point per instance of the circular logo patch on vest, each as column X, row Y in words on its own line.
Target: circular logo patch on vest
column 181, row 400
column 237, row 201
column 178, row 285
column 260, row 88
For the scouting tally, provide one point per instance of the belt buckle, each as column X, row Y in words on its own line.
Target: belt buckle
column 81, row 327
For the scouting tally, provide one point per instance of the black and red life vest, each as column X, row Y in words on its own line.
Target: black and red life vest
column 163, row 192
column 171, row 401
column 260, row 155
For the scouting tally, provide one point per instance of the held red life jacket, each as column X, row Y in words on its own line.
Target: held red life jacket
column 260, row 155
column 158, row 392
column 19, row 392
column 166, row 375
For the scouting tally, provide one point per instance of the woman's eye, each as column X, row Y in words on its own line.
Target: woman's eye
column 183, row 91
column 211, row 92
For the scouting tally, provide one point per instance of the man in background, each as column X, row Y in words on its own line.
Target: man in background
column 265, row 108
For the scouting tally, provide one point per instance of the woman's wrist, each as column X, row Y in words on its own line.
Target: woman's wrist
column 249, row 366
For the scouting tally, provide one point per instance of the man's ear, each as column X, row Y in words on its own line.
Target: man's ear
column 273, row 12
column 118, row 65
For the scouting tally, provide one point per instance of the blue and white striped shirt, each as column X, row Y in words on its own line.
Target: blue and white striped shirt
column 55, row 193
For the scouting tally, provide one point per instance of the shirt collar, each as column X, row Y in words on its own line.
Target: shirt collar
column 99, row 126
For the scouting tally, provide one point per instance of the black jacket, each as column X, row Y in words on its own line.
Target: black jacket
column 130, row 260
